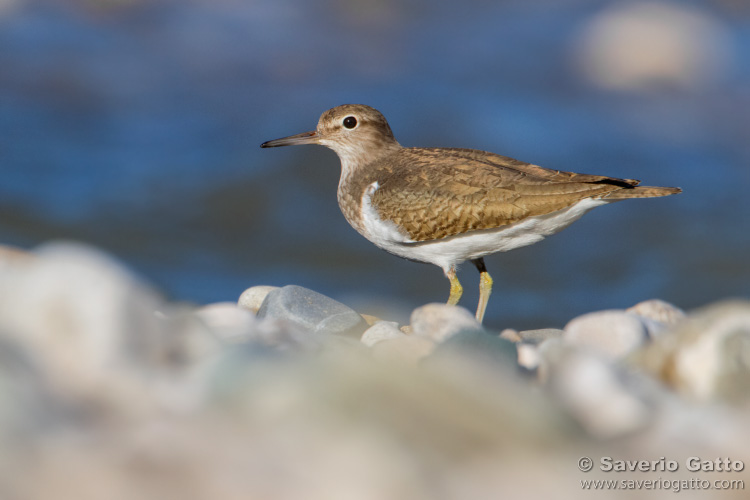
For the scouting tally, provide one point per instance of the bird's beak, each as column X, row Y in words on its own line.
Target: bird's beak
column 293, row 140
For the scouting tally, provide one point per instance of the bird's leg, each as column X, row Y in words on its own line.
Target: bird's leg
column 456, row 288
column 485, row 287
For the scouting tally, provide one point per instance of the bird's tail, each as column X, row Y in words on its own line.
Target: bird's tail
column 641, row 192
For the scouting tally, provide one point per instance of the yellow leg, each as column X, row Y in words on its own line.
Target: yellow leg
column 485, row 289
column 456, row 289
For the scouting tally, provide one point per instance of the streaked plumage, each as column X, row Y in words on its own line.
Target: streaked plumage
column 447, row 205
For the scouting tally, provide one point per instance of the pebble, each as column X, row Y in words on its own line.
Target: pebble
column 528, row 355
column 186, row 338
column 312, row 311
column 252, row 298
column 657, row 315
column 227, row 321
column 370, row 319
column 529, row 342
column 382, row 330
column 82, row 316
column 613, row 333
column 707, row 356
column 539, row 336
column 510, row 334
column 592, row 389
column 441, row 321
column 96, row 366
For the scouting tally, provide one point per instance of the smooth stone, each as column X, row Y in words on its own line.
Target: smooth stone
column 653, row 328
column 531, row 340
column 187, row 339
column 380, row 331
column 593, row 390
column 252, row 298
column 658, row 310
column 528, row 355
column 73, row 308
column 227, row 320
column 658, row 316
column 441, row 321
column 540, row 335
column 312, row 311
column 234, row 325
column 706, row 356
column 370, row 319
column 510, row 334
column 614, row 333
column 89, row 323
column 407, row 350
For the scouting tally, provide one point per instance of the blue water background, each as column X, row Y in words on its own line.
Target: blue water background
column 135, row 126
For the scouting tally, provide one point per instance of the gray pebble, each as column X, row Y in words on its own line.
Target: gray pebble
column 312, row 311
column 540, row 335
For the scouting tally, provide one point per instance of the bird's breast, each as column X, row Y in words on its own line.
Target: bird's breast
column 349, row 196
column 355, row 202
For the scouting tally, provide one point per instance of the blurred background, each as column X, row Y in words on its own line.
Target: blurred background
column 135, row 125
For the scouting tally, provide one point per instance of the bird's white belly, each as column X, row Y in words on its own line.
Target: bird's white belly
column 452, row 250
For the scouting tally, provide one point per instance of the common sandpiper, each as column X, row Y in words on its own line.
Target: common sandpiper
column 445, row 206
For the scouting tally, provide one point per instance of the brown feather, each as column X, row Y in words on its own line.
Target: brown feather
column 434, row 193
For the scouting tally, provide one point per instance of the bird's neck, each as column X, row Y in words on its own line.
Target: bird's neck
column 357, row 161
column 359, row 169
column 359, row 154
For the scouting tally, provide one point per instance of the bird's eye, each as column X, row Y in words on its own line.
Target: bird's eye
column 350, row 122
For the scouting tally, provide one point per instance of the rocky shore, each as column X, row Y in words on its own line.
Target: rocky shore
column 107, row 390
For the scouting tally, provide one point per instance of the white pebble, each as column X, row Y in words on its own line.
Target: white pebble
column 382, row 330
column 252, row 298
column 441, row 321
column 528, row 355
column 227, row 321
column 75, row 308
column 707, row 355
column 658, row 310
column 614, row 334
column 593, row 390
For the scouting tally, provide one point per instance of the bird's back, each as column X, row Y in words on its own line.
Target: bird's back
column 433, row 193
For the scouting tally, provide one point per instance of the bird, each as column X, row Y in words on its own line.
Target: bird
column 446, row 206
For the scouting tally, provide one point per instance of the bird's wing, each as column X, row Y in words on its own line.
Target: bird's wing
column 436, row 193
